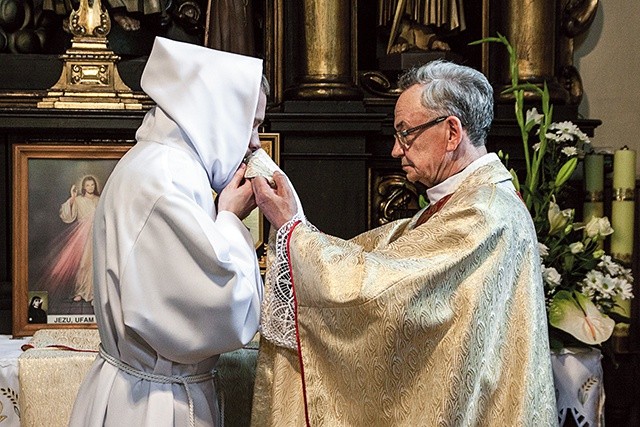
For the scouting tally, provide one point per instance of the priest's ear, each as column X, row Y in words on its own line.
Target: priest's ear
column 454, row 132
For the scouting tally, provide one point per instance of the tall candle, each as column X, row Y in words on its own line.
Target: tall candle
column 594, row 172
column 624, row 168
column 623, row 211
column 622, row 222
column 622, row 206
column 594, row 185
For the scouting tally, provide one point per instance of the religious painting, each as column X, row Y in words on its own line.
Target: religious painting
column 56, row 191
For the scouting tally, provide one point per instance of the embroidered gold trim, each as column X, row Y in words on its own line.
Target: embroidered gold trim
column 623, row 194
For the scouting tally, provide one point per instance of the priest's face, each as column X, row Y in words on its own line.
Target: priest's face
column 424, row 151
column 254, row 142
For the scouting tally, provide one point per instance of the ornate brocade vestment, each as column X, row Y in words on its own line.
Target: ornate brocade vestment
column 442, row 324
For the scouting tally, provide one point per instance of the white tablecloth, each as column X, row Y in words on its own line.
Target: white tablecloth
column 10, row 349
column 579, row 383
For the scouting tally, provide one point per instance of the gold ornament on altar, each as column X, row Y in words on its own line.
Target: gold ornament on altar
column 90, row 78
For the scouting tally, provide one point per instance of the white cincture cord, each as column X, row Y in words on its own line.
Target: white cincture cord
column 162, row 379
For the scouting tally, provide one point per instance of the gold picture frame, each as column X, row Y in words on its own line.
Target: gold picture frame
column 48, row 251
column 255, row 221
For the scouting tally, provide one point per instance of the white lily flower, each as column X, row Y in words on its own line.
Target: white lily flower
column 558, row 219
column 533, row 116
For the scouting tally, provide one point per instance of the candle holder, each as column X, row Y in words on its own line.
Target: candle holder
column 90, row 78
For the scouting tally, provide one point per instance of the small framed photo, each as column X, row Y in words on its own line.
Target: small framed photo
column 55, row 194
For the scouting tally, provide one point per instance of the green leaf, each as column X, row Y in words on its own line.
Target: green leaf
column 516, row 181
column 486, row 40
column 422, row 201
column 575, row 314
column 567, row 262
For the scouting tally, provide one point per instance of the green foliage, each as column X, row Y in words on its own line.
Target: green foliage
column 581, row 282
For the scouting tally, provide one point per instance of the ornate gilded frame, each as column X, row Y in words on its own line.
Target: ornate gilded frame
column 42, row 175
column 255, row 221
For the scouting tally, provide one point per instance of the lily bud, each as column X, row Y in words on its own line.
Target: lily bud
column 558, row 219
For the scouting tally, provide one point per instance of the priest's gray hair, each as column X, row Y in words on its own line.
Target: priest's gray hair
column 455, row 90
column 264, row 85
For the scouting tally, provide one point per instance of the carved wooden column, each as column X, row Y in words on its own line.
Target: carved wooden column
column 326, row 51
column 530, row 26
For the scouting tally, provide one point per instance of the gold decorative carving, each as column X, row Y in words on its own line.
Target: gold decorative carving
column 90, row 78
column 622, row 194
column 624, row 258
column 379, row 84
column 575, row 17
column 416, row 25
column 393, row 197
column 594, row 196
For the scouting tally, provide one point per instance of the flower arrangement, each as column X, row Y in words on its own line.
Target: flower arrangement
column 583, row 284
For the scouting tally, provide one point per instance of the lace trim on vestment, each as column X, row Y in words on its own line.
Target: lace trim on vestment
column 278, row 324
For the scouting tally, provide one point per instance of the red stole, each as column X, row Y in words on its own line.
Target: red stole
column 432, row 209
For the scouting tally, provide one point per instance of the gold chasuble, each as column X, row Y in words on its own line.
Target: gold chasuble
column 441, row 324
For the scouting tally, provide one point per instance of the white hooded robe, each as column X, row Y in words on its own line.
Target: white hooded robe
column 176, row 283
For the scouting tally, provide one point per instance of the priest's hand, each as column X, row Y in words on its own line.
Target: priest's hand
column 277, row 204
column 237, row 197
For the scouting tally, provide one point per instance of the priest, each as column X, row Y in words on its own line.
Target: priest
column 435, row 320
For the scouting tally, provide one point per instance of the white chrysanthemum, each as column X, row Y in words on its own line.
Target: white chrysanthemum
column 566, row 137
column 536, row 146
column 582, row 136
column 593, row 278
column 624, row 288
column 609, row 265
column 570, row 151
column 564, row 127
column 589, row 292
column 552, row 136
column 608, row 286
